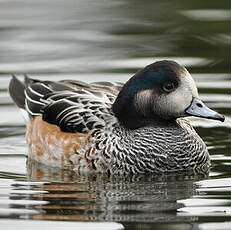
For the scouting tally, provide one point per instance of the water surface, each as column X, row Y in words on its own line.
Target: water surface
column 110, row 40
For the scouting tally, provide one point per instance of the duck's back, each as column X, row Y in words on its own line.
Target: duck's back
column 73, row 106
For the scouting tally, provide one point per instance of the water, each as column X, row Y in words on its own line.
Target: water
column 110, row 40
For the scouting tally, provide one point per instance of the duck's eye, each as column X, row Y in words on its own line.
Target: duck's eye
column 168, row 87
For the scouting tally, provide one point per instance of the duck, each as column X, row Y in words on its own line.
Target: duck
column 141, row 126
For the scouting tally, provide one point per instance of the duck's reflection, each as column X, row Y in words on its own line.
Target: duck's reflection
column 143, row 198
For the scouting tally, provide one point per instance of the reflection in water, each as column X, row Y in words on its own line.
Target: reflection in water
column 143, row 198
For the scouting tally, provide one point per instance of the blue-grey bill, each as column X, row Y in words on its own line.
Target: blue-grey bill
column 199, row 109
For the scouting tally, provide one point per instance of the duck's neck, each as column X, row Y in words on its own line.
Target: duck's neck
column 135, row 123
column 130, row 118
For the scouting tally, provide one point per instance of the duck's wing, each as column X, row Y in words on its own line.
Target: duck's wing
column 79, row 111
column 74, row 106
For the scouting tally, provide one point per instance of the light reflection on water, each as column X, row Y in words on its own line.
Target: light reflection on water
column 66, row 65
column 208, row 15
column 110, row 41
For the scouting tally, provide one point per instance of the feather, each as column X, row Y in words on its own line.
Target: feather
column 74, row 106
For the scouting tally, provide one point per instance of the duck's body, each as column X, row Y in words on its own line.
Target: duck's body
column 112, row 128
column 153, row 148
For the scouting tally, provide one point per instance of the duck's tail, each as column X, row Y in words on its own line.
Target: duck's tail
column 16, row 90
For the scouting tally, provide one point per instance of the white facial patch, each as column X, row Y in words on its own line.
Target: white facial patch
column 175, row 103
column 142, row 100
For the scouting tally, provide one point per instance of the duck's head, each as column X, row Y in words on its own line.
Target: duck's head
column 162, row 91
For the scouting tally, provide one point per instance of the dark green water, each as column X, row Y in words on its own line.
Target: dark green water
column 110, row 40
